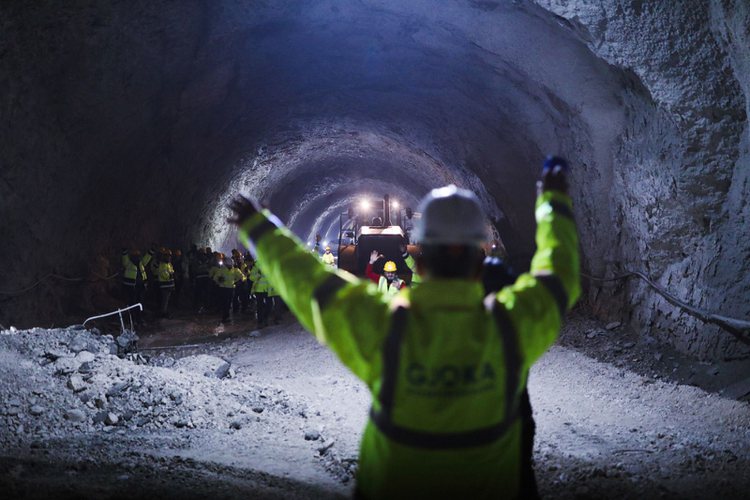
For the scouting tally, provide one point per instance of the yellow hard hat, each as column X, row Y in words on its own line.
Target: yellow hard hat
column 389, row 267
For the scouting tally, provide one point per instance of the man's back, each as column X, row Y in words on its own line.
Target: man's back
column 444, row 366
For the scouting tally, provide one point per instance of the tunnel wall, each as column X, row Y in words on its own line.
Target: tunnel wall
column 130, row 124
column 681, row 168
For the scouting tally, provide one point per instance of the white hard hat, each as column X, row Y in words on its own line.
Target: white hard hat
column 451, row 216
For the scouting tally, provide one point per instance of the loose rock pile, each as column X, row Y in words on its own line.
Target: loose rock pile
column 71, row 380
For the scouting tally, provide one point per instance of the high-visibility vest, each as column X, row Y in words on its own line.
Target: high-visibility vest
column 131, row 270
column 328, row 258
column 260, row 283
column 225, row 277
column 445, row 364
column 391, row 289
column 165, row 275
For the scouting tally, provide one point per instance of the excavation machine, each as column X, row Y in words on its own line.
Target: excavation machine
column 383, row 227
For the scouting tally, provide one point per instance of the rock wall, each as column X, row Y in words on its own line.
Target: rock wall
column 131, row 124
column 681, row 166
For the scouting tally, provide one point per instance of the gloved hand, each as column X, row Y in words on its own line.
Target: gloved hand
column 554, row 175
column 243, row 209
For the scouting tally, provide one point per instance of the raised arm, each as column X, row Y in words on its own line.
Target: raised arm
column 537, row 301
column 345, row 313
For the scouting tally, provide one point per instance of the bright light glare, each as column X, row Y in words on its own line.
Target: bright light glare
column 325, row 243
column 394, row 204
column 364, row 205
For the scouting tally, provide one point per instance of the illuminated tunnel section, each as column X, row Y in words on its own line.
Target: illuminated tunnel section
column 137, row 124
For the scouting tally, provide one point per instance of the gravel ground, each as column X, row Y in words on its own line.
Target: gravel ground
column 272, row 414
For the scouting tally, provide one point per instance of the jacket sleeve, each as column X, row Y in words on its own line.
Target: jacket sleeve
column 147, row 258
column 374, row 277
column 345, row 313
column 410, row 262
column 538, row 300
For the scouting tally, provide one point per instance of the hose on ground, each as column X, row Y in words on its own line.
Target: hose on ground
column 736, row 327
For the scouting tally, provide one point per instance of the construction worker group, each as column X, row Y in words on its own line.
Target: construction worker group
column 219, row 283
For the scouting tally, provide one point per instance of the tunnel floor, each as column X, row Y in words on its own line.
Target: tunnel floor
column 286, row 419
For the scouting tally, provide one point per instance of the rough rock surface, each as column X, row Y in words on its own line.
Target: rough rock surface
column 288, row 425
column 115, row 112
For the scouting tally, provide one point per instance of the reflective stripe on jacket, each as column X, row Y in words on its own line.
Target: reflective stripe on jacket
column 446, row 385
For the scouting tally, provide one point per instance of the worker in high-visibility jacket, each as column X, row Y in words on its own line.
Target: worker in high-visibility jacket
column 328, row 257
column 260, row 291
column 165, row 280
column 241, row 299
column 389, row 282
column 226, row 278
column 444, row 363
column 134, row 278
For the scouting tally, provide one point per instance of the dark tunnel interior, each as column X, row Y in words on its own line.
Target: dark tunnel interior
column 132, row 124
column 127, row 123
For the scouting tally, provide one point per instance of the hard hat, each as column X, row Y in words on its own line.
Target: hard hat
column 450, row 216
column 235, row 251
column 389, row 267
column 135, row 252
column 328, row 248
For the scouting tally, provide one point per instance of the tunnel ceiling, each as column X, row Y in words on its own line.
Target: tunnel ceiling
column 127, row 123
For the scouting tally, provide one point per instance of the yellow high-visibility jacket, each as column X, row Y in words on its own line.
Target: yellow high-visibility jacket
column 445, row 365
column 227, row 278
column 328, row 258
column 165, row 275
column 260, row 283
column 130, row 270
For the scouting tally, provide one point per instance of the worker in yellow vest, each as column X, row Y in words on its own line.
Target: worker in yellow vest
column 226, row 277
column 389, row 283
column 165, row 280
column 445, row 363
column 260, row 291
column 134, row 278
column 328, row 257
